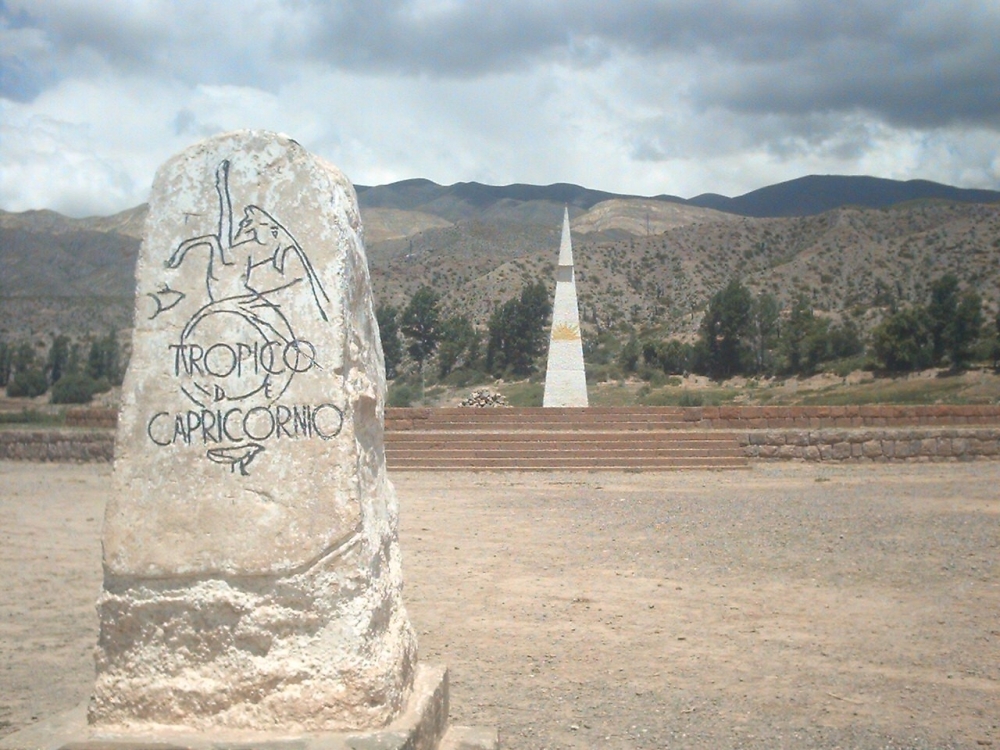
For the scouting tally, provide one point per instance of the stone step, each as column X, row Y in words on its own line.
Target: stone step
column 467, row 418
column 422, row 412
column 562, row 437
column 432, row 453
column 542, row 415
column 568, row 462
column 616, row 448
column 547, row 415
column 595, row 438
column 539, row 423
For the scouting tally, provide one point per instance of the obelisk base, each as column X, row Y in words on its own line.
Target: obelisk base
column 423, row 725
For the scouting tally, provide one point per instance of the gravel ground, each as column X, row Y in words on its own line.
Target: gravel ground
column 788, row 606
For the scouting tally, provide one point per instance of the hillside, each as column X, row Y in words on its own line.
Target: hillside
column 129, row 223
column 466, row 201
column 804, row 196
column 848, row 262
column 640, row 261
column 817, row 194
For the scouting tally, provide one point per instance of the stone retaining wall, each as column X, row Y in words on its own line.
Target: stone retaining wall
column 928, row 444
column 728, row 417
column 889, row 444
column 98, row 419
column 67, row 446
column 712, row 417
column 818, row 417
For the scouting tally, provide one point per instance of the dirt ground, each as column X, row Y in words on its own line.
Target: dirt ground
column 791, row 606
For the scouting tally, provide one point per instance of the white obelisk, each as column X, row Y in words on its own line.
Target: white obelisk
column 565, row 379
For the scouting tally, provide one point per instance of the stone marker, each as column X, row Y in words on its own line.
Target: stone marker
column 252, row 574
column 252, row 581
column 565, row 377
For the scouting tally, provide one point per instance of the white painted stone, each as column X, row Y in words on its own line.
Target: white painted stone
column 565, row 377
column 252, row 574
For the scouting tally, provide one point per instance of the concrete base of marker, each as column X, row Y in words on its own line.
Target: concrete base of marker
column 423, row 725
column 567, row 387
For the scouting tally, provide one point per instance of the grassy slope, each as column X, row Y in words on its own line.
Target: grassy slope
column 980, row 386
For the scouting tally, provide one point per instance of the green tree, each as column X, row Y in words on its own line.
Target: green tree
column 73, row 388
column 500, row 323
column 954, row 320
column 474, row 352
column 628, row 357
column 794, row 341
column 516, row 331
column 902, row 342
column 817, row 345
column 58, row 359
column 28, row 383
column 392, row 346
column 965, row 329
column 675, row 357
column 845, row 341
column 764, row 330
column 104, row 359
column 459, row 344
column 534, row 315
column 941, row 314
column 95, row 360
column 996, row 342
column 725, row 330
column 23, row 357
column 420, row 324
column 27, row 379
column 114, row 366
column 6, row 363
column 808, row 340
column 650, row 354
column 73, row 363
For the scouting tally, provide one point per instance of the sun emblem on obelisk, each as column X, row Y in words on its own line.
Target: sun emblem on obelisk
column 565, row 332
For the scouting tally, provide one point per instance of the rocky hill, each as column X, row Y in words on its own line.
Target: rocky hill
column 848, row 261
column 640, row 261
column 819, row 193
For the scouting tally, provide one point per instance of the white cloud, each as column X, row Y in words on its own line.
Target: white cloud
column 638, row 96
column 52, row 163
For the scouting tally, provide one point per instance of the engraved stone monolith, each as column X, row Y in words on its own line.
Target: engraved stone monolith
column 251, row 568
column 565, row 377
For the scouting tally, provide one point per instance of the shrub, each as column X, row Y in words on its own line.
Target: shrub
column 400, row 395
column 628, row 357
column 690, row 399
column 656, row 378
column 603, row 373
column 901, row 342
column 28, row 384
column 844, row 367
column 102, row 385
column 31, row 416
column 524, row 394
column 77, row 388
column 465, row 376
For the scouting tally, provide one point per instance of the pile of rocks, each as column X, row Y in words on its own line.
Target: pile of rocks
column 484, row 397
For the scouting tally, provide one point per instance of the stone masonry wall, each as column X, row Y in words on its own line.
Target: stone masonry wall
column 92, row 418
column 879, row 445
column 68, row 446
column 825, row 417
column 747, row 417
column 819, row 433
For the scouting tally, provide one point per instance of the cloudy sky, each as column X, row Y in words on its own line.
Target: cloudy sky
column 634, row 96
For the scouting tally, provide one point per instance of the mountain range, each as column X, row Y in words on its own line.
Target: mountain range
column 850, row 244
column 804, row 196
